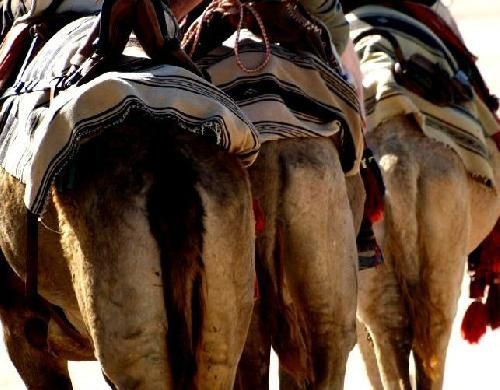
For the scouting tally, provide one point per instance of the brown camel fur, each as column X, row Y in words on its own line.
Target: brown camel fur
column 306, row 266
column 150, row 256
column 435, row 214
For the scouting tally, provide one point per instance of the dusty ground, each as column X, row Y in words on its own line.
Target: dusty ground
column 468, row 367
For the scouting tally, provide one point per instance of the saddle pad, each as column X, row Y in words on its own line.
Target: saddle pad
column 295, row 96
column 39, row 136
column 464, row 128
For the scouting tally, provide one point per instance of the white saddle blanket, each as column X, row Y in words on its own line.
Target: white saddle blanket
column 39, row 136
column 296, row 95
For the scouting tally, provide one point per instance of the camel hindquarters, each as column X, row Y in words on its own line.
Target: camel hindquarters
column 159, row 239
column 306, row 263
column 484, row 203
column 410, row 302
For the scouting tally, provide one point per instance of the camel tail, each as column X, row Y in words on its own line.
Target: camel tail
column 176, row 214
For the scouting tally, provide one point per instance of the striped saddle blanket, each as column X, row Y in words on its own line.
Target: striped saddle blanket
column 40, row 133
column 296, row 95
column 463, row 127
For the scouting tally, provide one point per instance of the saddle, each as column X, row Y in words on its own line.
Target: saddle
column 420, row 11
column 283, row 22
column 423, row 77
column 112, row 30
column 117, row 20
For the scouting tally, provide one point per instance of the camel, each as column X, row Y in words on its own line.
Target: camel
column 436, row 213
column 409, row 303
column 306, row 258
column 145, row 264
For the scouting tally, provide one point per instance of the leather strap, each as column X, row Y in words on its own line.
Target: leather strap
column 31, row 284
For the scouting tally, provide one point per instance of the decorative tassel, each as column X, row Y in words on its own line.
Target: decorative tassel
column 493, row 306
column 475, row 322
column 477, row 287
column 260, row 218
column 374, row 187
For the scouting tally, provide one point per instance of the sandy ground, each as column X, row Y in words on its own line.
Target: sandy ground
column 468, row 367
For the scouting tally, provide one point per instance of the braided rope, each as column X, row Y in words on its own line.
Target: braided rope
column 196, row 30
column 212, row 7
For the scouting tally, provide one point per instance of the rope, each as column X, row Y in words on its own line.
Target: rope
column 196, row 31
column 267, row 44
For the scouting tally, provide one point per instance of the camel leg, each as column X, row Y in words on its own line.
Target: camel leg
column 253, row 369
column 119, row 288
column 366, row 347
column 25, row 336
column 444, row 243
column 435, row 322
column 38, row 369
column 381, row 308
column 382, row 302
column 228, row 257
column 320, row 257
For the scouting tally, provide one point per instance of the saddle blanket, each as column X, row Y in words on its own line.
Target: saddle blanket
column 296, row 95
column 464, row 128
column 39, row 135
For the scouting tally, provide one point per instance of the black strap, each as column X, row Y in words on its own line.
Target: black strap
column 31, row 284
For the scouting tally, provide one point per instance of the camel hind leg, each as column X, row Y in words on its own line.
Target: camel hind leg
column 118, row 287
column 382, row 302
column 319, row 255
column 228, row 256
column 444, row 223
column 381, row 308
column 253, row 368
column 365, row 343
column 25, row 337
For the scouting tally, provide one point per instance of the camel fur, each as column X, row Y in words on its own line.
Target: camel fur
column 149, row 256
column 306, row 266
column 435, row 214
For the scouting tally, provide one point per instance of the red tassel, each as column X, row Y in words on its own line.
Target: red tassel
column 475, row 322
column 374, row 187
column 477, row 287
column 260, row 218
column 493, row 305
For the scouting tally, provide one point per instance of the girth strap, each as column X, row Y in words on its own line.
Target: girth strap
column 35, row 302
column 31, row 285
